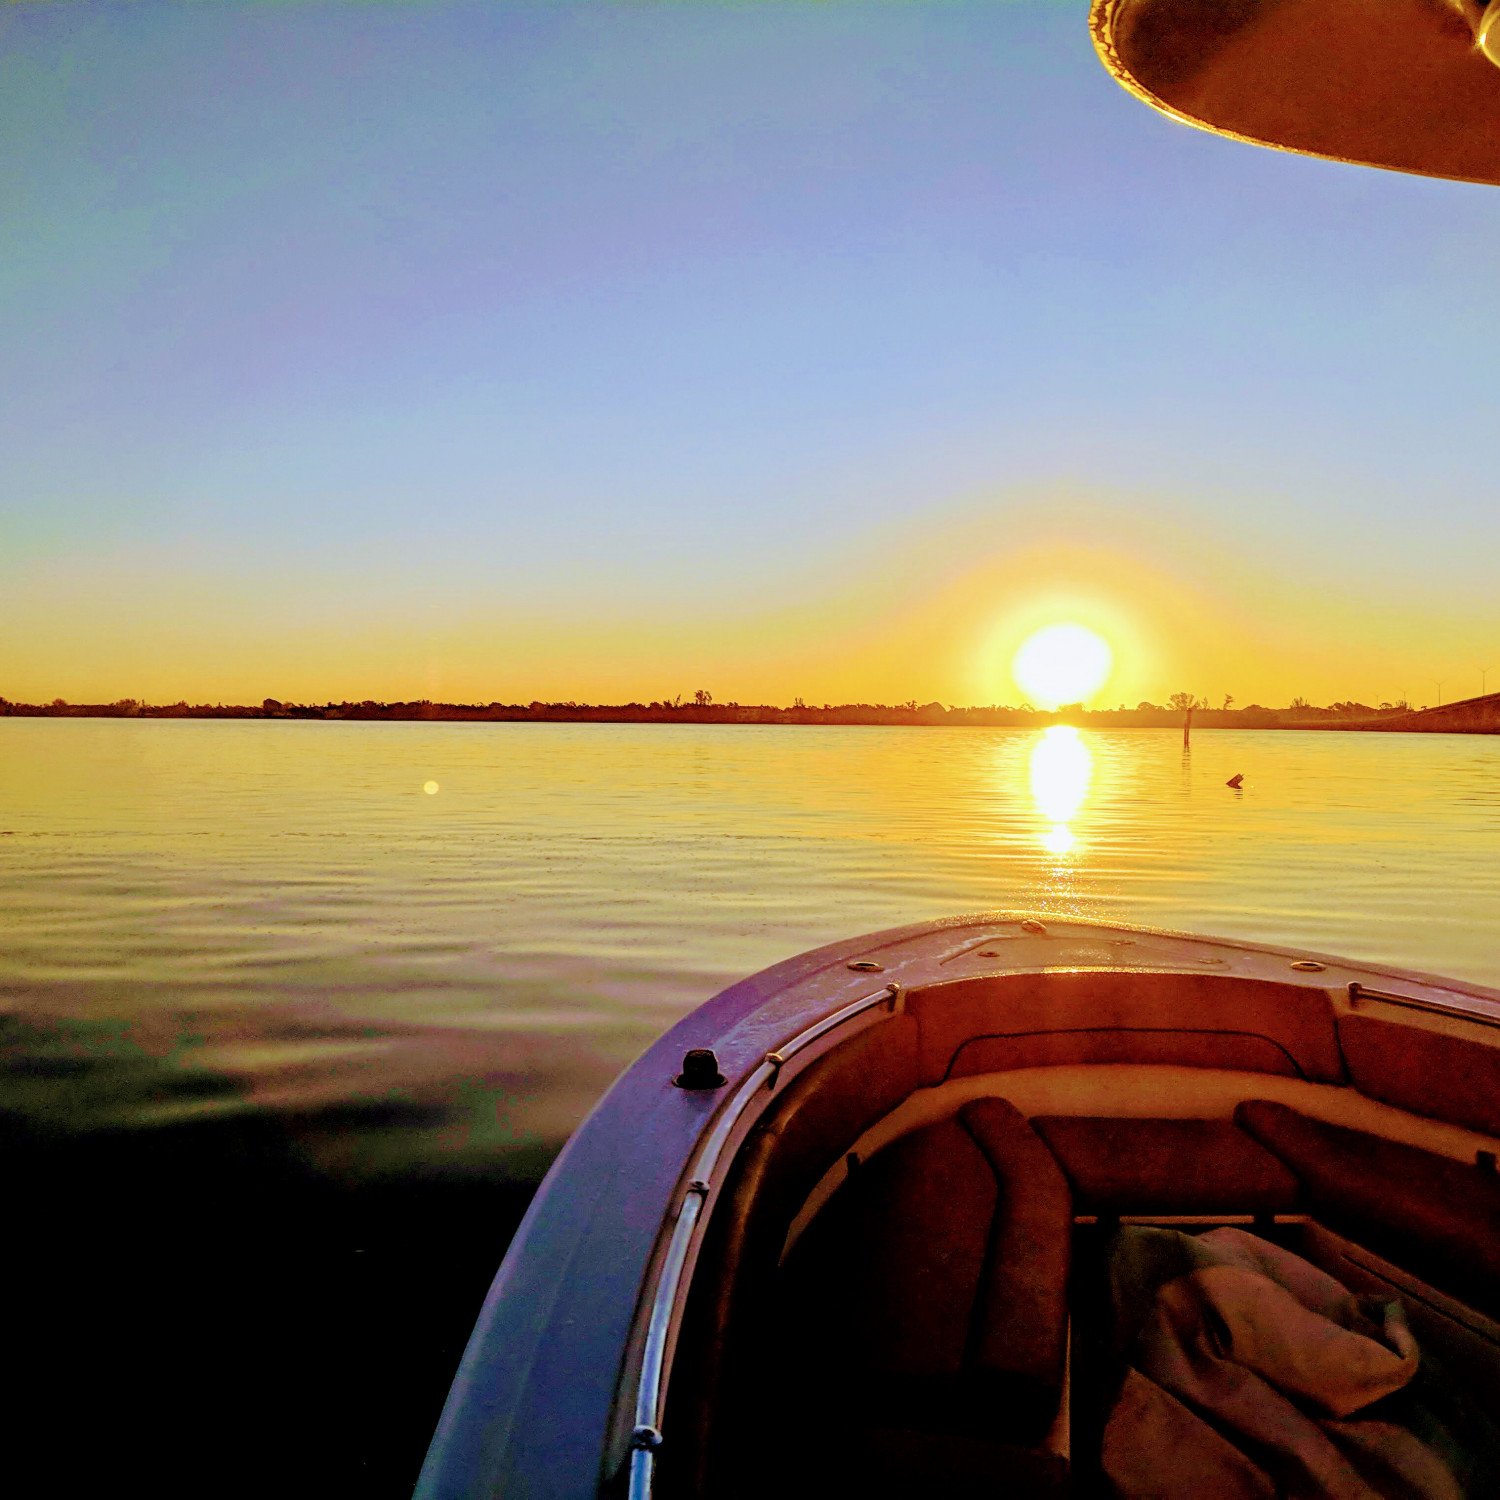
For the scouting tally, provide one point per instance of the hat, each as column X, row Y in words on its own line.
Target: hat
column 1412, row 85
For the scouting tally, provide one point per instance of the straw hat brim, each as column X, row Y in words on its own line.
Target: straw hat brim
column 1398, row 84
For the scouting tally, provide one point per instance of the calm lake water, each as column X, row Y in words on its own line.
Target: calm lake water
column 230, row 916
column 289, row 1039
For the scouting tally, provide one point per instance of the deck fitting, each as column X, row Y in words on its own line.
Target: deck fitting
column 700, row 1070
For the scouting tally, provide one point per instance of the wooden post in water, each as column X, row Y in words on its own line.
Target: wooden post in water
column 1187, row 726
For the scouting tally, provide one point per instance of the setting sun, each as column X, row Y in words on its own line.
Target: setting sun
column 1062, row 664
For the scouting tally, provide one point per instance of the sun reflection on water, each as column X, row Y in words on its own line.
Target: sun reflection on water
column 1061, row 770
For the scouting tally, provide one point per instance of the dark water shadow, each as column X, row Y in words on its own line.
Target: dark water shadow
column 197, row 1307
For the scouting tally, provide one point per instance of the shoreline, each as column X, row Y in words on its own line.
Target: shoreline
column 1468, row 716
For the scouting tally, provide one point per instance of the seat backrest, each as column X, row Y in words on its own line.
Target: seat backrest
column 931, row 1292
column 1142, row 1166
column 1411, row 1064
column 1436, row 1216
column 996, row 1023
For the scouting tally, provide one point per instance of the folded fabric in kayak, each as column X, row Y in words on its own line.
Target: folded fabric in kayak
column 1250, row 1372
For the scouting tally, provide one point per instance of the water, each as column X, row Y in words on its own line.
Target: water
column 282, row 908
column 259, row 954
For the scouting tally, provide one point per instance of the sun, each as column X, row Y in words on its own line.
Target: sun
column 1064, row 663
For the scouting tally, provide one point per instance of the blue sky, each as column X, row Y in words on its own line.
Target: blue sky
column 546, row 350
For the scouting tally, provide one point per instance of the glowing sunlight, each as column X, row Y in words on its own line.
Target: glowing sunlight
column 1062, row 664
column 1061, row 769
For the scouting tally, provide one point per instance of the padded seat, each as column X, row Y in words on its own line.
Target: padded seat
column 1438, row 1217
column 1166, row 1166
column 930, row 1294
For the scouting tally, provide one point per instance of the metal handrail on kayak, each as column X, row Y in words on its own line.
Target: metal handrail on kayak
column 646, row 1437
column 1473, row 1010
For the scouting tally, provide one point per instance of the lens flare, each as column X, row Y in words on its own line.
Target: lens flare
column 1062, row 664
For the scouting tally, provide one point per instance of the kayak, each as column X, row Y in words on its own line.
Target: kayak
column 875, row 1220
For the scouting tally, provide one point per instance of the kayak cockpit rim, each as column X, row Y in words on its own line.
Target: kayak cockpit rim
column 663, row 1309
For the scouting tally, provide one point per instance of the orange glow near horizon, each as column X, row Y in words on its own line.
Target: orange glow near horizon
column 937, row 612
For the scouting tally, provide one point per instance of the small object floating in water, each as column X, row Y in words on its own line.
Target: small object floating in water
column 1236, row 781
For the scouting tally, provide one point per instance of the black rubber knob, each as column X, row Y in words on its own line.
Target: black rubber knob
column 700, row 1070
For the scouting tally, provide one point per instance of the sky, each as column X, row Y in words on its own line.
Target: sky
column 607, row 352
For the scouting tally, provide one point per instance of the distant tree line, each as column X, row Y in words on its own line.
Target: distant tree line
column 701, row 708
